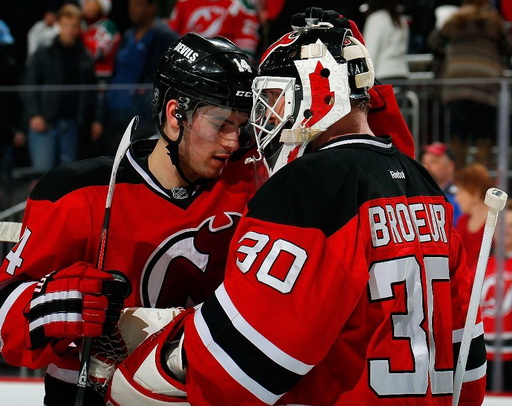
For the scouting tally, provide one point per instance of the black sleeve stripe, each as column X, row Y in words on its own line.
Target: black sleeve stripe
column 245, row 354
column 477, row 354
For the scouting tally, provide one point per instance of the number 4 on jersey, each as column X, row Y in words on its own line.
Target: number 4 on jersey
column 14, row 256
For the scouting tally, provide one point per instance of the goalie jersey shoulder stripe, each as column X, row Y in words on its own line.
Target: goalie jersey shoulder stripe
column 366, row 156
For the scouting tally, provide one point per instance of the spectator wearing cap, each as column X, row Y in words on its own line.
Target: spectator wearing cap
column 440, row 162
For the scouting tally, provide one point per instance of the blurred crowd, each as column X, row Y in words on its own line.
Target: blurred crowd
column 71, row 47
column 86, row 69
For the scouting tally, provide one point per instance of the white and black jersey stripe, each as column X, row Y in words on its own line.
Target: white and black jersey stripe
column 251, row 359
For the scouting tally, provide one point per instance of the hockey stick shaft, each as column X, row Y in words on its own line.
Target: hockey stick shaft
column 495, row 200
column 124, row 144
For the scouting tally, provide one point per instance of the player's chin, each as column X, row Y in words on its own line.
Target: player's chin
column 218, row 163
column 212, row 171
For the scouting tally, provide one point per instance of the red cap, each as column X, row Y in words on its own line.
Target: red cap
column 439, row 149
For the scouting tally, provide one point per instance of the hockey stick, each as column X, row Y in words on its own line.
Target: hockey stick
column 495, row 200
column 124, row 144
column 10, row 231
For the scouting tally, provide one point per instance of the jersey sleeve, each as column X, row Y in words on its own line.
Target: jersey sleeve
column 272, row 320
column 266, row 326
column 54, row 235
column 245, row 25
column 178, row 17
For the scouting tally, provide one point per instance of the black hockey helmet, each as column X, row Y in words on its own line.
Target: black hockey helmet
column 199, row 72
column 196, row 69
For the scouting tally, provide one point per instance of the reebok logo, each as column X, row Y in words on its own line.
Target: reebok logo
column 397, row 174
column 186, row 52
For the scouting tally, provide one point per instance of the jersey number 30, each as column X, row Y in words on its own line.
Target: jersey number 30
column 383, row 275
column 278, row 248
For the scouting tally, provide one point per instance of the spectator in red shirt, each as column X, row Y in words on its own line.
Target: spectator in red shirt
column 472, row 183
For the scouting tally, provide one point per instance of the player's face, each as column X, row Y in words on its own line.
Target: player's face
column 212, row 134
column 276, row 101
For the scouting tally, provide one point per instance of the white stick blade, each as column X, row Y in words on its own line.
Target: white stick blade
column 10, row 231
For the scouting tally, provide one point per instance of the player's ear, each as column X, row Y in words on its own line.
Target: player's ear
column 170, row 113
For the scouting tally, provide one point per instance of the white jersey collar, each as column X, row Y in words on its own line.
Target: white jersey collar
column 363, row 139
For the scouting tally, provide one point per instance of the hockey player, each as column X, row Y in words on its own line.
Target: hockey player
column 345, row 283
column 175, row 207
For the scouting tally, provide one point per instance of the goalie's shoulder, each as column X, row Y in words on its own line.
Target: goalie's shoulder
column 72, row 176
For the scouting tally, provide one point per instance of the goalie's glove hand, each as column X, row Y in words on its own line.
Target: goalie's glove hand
column 154, row 372
column 77, row 301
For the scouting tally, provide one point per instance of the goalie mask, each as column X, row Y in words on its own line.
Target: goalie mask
column 305, row 83
column 202, row 74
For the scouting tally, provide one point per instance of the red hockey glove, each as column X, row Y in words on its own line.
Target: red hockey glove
column 78, row 301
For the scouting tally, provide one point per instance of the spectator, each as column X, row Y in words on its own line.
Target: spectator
column 11, row 107
column 474, row 45
column 100, row 36
column 56, row 118
column 136, row 62
column 386, row 35
column 443, row 10
column 440, row 162
column 489, row 310
column 236, row 20
column 472, row 183
column 43, row 32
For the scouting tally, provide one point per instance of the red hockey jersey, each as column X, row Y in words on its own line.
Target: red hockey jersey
column 172, row 246
column 102, row 39
column 236, row 20
column 489, row 310
column 345, row 284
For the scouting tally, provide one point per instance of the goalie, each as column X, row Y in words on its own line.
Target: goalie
column 346, row 282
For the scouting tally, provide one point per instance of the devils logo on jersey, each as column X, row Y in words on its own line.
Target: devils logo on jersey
column 188, row 266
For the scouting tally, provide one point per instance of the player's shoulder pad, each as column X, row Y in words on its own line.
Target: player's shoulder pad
column 66, row 178
column 303, row 194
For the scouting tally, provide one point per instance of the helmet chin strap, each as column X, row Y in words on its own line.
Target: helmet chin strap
column 173, row 146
